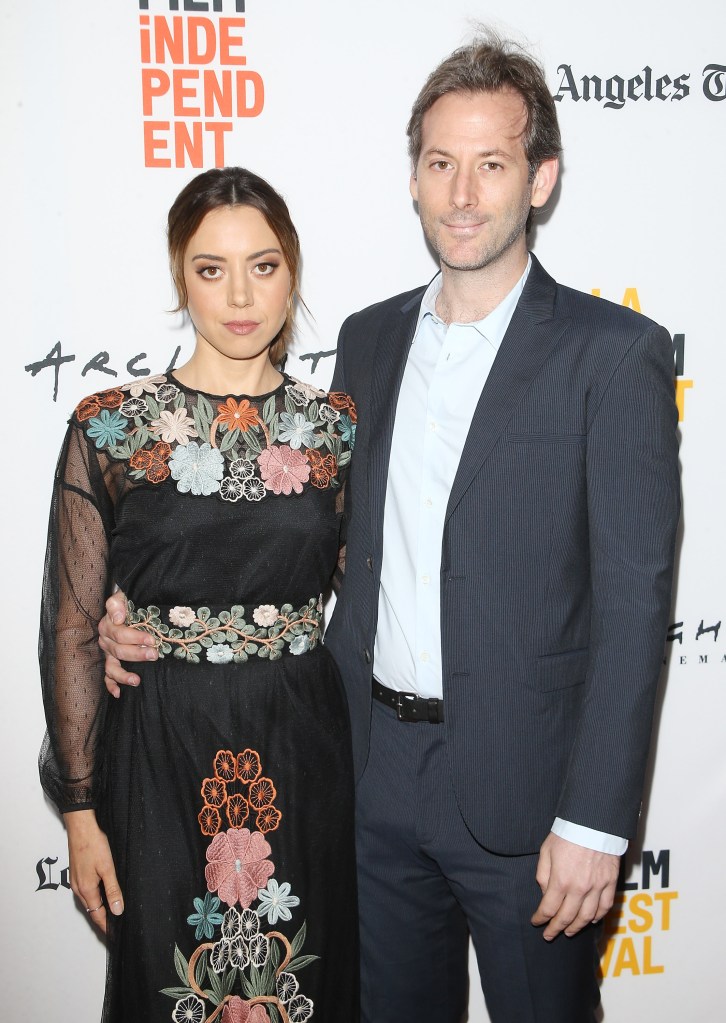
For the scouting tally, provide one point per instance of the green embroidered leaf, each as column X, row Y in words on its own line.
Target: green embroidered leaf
column 286, row 609
column 249, row 630
column 252, row 648
column 212, row 623
column 206, row 641
column 229, row 979
column 254, row 445
column 179, row 402
column 181, row 965
column 216, row 982
column 344, row 459
column 165, row 648
column 138, row 474
column 224, row 617
column 176, row 992
column 240, row 657
column 264, row 652
column 192, row 658
column 267, row 980
column 200, row 969
column 247, row 987
column 299, row 940
column 268, row 409
column 237, row 609
column 153, row 407
column 313, row 413
column 175, row 633
column 274, row 428
column 274, row 1014
column 219, row 637
column 200, row 424
column 205, row 408
column 274, row 954
column 274, row 655
column 290, row 405
column 203, row 614
column 229, row 440
column 180, row 652
column 121, row 452
column 299, row 963
column 230, row 636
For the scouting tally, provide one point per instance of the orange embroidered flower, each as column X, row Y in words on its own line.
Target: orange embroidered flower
column 140, row 459
column 237, row 810
column 153, row 461
column 88, row 408
column 248, row 765
column 237, row 415
column 157, row 472
column 209, row 820
column 214, row 791
column 323, row 468
column 110, row 399
column 343, row 403
column 224, row 765
column 268, row 819
column 262, row 793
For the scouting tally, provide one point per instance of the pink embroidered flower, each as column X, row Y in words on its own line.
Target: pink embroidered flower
column 181, row 616
column 265, row 615
column 237, row 1010
column 283, row 469
column 238, row 866
column 174, row 427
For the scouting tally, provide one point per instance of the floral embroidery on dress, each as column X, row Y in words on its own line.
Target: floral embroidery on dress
column 237, row 952
column 297, row 436
column 228, row 636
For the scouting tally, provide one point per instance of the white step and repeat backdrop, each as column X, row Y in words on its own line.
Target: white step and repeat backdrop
column 109, row 108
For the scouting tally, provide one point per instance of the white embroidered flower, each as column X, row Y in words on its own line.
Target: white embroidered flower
column 242, row 468
column 133, row 407
column 197, row 468
column 250, row 923
column 276, row 901
column 287, row 986
column 259, row 950
column 181, row 616
column 300, row 645
column 297, row 395
column 166, row 392
column 320, row 604
column 231, row 924
column 189, row 1010
column 230, row 489
column 219, row 956
column 299, row 1009
column 174, row 427
column 143, row 385
column 265, row 615
column 254, row 489
column 220, row 654
column 329, row 414
column 307, row 389
column 239, row 954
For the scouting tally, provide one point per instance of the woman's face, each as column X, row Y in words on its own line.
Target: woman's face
column 237, row 283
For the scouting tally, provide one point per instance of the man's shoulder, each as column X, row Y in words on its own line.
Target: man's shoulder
column 397, row 305
column 591, row 310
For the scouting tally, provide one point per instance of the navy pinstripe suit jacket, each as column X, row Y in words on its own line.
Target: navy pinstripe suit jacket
column 556, row 561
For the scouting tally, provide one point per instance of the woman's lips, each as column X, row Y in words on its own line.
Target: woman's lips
column 242, row 326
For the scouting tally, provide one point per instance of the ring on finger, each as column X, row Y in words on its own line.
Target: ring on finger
column 95, row 910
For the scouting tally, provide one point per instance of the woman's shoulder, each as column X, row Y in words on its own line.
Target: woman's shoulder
column 303, row 393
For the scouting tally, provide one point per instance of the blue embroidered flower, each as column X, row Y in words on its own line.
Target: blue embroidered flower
column 107, row 428
column 276, row 901
column 220, row 654
column 296, row 430
column 300, row 645
column 347, row 429
column 197, row 468
column 206, row 917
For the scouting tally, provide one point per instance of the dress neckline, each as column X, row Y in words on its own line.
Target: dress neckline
column 222, row 397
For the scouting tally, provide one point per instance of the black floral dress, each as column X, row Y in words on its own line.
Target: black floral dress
column 224, row 782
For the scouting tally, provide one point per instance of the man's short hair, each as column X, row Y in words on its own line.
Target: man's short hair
column 491, row 64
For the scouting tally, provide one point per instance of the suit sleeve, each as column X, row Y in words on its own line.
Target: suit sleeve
column 633, row 499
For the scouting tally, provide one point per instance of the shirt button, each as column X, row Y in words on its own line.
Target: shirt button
column 428, row 502
column 432, row 425
column 425, row 580
column 424, row 657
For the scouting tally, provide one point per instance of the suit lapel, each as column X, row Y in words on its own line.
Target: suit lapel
column 389, row 362
column 532, row 334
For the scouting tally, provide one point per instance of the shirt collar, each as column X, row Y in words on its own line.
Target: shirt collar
column 494, row 326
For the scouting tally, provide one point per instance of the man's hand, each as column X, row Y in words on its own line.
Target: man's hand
column 578, row 886
column 92, row 872
column 122, row 643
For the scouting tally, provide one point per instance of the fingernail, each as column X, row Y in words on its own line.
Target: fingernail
column 151, row 654
column 118, row 618
column 117, row 908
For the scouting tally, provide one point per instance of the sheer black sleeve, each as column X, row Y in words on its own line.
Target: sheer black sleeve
column 75, row 587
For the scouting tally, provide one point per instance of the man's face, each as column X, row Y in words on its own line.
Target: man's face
column 472, row 183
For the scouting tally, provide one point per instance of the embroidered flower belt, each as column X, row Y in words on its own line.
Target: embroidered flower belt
column 230, row 635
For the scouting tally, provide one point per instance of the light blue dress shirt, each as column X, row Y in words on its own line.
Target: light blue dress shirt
column 446, row 369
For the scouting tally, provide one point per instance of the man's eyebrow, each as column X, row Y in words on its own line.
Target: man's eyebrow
column 483, row 153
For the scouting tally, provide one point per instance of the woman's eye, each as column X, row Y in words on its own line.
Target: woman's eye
column 265, row 269
column 210, row 273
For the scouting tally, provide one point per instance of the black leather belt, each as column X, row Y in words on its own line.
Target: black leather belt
column 409, row 707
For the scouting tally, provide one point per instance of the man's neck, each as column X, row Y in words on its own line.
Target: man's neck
column 468, row 296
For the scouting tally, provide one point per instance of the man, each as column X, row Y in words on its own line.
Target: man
column 510, row 519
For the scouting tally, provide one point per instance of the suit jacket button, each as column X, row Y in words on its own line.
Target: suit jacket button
column 367, row 655
column 369, row 562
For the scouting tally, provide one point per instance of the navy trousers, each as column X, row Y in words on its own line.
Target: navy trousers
column 425, row 883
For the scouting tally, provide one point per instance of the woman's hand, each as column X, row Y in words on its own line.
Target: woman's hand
column 93, row 875
column 122, row 643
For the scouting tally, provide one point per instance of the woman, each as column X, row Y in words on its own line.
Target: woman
column 210, row 809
